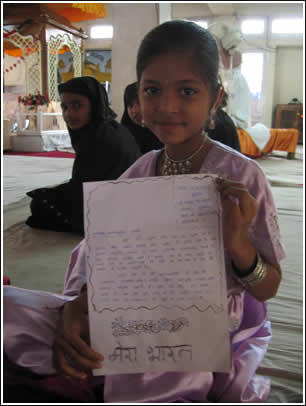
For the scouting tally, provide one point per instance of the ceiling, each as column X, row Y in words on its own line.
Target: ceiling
column 80, row 13
column 212, row 9
column 203, row 10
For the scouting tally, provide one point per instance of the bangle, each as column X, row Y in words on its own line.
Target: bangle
column 241, row 274
column 255, row 276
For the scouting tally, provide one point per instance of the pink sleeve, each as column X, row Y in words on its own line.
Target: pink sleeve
column 75, row 276
column 265, row 232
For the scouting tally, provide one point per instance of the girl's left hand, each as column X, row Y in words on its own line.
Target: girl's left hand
column 239, row 209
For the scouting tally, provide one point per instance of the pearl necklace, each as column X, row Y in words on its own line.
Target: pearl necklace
column 172, row 167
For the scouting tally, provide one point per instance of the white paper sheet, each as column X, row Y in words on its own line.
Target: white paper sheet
column 156, row 274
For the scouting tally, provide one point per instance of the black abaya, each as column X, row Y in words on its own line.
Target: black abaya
column 104, row 150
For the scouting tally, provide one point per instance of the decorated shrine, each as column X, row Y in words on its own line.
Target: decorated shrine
column 34, row 36
column 37, row 41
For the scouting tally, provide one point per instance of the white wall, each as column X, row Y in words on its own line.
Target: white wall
column 131, row 22
column 268, row 85
column 164, row 12
column 288, row 75
column 86, row 26
column 96, row 43
column 189, row 10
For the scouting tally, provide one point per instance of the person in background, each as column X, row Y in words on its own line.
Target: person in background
column 179, row 93
column 239, row 105
column 131, row 119
column 223, row 128
column 104, row 150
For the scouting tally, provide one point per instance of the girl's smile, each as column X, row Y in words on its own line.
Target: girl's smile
column 169, row 125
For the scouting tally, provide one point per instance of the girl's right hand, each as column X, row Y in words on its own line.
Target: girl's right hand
column 72, row 355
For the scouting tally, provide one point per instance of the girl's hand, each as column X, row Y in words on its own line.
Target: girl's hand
column 72, row 355
column 239, row 209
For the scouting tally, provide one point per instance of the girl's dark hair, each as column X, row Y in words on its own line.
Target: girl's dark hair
column 129, row 98
column 224, row 101
column 130, row 95
column 178, row 35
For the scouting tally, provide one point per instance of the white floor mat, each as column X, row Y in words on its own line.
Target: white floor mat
column 24, row 173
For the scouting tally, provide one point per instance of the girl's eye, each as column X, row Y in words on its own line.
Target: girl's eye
column 151, row 90
column 188, row 92
column 76, row 105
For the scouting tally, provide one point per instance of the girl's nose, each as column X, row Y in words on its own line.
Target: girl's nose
column 67, row 112
column 169, row 102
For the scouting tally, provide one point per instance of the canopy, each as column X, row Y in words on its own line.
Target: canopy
column 74, row 12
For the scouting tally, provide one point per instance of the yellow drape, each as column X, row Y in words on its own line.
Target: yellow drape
column 92, row 8
column 17, row 52
column 76, row 12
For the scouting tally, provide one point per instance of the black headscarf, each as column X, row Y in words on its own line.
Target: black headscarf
column 144, row 137
column 95, row 92
column 104, row 149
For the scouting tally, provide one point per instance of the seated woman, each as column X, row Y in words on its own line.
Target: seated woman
column 131, row 119
column 104, row 150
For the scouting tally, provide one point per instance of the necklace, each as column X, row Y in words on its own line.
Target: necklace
column 172, row 167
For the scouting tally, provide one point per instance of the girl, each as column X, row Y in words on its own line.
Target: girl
column 177, row 69
column 104, row 150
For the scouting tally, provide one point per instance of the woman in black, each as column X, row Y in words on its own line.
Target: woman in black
column 104, row 150
column 131, row 119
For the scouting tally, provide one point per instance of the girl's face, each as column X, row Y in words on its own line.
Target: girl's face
column 76, row 110
column 175, row 102
column 134, row 112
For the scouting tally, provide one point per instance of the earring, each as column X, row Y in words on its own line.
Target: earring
column 142, row 123
column 211, row 123
column 203, row 132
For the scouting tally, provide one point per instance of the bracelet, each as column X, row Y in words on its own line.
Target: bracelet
column 248, row 272
column 256, row 276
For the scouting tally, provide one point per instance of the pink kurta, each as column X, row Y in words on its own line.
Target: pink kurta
column 250, row 330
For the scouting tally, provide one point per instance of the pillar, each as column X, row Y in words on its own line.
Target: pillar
column 165, row 12
column 131, row 21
